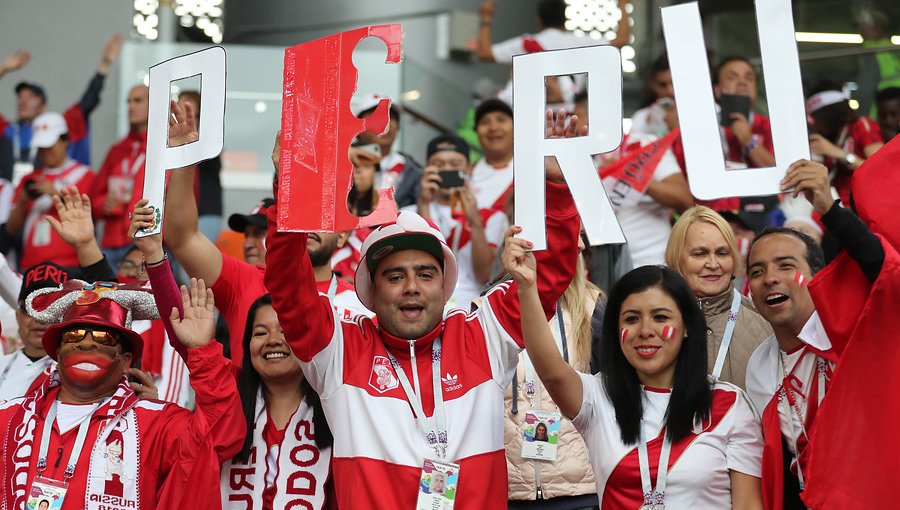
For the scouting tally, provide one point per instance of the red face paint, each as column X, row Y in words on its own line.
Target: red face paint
column 86, row 368
column 668, row 332
column 623, row 335
column 799, row 279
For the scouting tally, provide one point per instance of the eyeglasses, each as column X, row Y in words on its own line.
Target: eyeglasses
column 73, row 336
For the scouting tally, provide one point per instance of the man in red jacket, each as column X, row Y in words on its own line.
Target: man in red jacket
column 120, row 182
column 84, row 437
column 419, row 393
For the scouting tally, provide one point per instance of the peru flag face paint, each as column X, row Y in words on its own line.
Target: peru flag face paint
column 668, row 332
column 623, row 335
column 799, row 279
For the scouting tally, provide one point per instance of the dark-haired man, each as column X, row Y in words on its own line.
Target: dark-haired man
column 789, row 374
column 888, row 103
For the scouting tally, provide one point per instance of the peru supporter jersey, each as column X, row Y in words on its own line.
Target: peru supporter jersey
column 491, row 185
column 547, row 39
column 39, row 242
column 698, row 475
column 392, row 167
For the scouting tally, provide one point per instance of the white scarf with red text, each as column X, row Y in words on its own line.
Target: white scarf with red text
column 114, row 470
column 303, row 469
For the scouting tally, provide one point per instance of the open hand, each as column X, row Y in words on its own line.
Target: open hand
column 183, row 127
column 818, row 144
column 197, row 327
column 557, row 127
column 74, row 225
column 517, row 260
column 16, row 61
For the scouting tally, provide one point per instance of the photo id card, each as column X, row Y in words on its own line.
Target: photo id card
column 541, row 435
column 437, row 485
column 46, row 494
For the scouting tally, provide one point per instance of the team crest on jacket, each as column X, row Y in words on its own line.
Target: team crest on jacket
column 382, row 378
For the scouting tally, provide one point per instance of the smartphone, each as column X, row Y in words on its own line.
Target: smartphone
column 733, row 104
column 31, row 191
column 455, row 178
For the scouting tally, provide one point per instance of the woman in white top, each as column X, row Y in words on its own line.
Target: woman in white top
column 651, row 404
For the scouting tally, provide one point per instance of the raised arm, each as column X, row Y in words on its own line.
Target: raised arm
column 75, row 225
column 181, row 233
column 14, row 62
column 307, row 318
column 560, row 379
column 811, row 179
column 218, row 402
column 484, row 51
column 165, row 290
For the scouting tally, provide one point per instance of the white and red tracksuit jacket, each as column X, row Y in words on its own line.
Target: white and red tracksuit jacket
column 378, row 448
column 178, row 457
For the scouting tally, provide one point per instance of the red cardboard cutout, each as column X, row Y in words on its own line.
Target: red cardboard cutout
column 317, row 128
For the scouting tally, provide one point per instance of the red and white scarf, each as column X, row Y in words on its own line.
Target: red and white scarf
column 303, row 469
column 115, row 455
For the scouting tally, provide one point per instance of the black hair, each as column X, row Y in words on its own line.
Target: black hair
column 131, row 248
column 727, row 60
column 888, row 94
column 815, row 258
column 831, row 119
column 581, row 97
column 691, row 393
column 249, row 382
column 552, row 13
column 660, row 64
column 492, row 105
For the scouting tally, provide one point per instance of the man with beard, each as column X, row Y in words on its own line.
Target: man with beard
column 120, row 452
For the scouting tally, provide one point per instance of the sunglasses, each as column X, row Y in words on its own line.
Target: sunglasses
column 73, row 336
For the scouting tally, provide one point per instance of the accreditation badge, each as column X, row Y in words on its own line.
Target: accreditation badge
column 541, row 435
column 46, row 494
column 437, row 485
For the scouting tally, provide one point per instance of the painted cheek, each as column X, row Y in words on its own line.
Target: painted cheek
column 800, row 280
column 668, row 332
column 623, row 335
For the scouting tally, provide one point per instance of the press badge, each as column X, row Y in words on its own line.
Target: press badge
column 541, row 435
column 46, row 494
column 437, row 485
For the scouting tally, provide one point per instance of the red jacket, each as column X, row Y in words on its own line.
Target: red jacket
column 378, row 449
column 122, row 173
column 177, row 459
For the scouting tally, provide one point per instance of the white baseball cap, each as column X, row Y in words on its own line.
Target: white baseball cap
column 409, row 232
column 46, row 130
column 366, row 102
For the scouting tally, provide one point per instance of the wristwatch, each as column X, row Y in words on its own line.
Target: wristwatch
column 850, row 159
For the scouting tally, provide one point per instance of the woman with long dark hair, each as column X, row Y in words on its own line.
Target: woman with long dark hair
column 287, row 435
column 658, row 433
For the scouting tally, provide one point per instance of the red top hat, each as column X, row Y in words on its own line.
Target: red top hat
column 108, row 305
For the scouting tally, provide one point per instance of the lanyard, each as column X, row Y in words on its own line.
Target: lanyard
column 76, row 450
column 654, row 499
column 434, row 427
column 560, row 344
column 332, row 288
column 17, row 133
column 729, row 332
column 136, row 162
column 786, row 396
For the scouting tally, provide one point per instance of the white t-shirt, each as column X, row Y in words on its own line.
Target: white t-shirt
column 547, row 39
column 647, row 224
column 68, row 416
column 17, row 372
column 698, row 476
column 649, row 121
column 460, row 241
column 766, row 372
column 392, row 167
column 490, row 185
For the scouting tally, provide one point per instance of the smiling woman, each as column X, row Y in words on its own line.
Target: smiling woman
column 702, row 249
column 651, row 405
